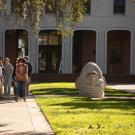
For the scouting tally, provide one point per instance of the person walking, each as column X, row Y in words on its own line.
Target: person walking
column 29, row 74
column 8, row 71
column 21, row 76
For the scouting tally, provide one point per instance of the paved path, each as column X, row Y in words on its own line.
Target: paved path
column 22, row 118
column 123, row 87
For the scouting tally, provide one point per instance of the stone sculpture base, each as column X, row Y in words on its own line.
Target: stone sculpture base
column 91, row 82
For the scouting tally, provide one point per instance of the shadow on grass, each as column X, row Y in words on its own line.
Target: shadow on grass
column 55, row 91
column 74, row 101
column 74, row 91
column 114, row 92
column 86, row 103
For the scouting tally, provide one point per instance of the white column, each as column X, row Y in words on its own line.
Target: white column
column 66, row 55
column 101, row 52
column 33, row 52
column 132, row 52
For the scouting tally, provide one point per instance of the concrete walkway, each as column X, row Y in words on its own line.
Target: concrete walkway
column 123, row 87
column 22, row 118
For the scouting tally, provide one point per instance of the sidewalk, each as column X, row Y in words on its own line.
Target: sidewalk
column 123, row 87
column 22, row 118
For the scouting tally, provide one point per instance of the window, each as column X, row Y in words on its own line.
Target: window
column 50, row 7
column 42, row 40
column 22, row 43
column 49, row 51
column 13, row 2
column 49, row 38
column 119, row 6
column 88, row 6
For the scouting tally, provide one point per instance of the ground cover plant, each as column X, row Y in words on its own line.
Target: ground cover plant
column 71, row 114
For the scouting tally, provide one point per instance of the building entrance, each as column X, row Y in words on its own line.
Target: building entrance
column 16, row 43
column 118, row 49
column 84, row 49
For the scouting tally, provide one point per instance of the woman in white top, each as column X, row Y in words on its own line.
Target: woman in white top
column 8, row 71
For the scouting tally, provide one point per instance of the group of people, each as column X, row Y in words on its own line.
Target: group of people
column 17, row 75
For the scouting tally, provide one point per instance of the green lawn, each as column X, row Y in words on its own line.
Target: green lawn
column 72, row 114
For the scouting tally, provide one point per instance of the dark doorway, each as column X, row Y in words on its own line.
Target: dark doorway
column 118, row 49
column 16, row 44
column 84, row 49
column 49, row 51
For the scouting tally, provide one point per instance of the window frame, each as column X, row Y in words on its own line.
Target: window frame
column 119, row 8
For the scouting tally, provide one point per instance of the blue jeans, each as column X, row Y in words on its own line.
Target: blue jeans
column 7, row 85
column 21, row 88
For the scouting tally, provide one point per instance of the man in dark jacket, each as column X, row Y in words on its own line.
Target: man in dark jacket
column 29, row 74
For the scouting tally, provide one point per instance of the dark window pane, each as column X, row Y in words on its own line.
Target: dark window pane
column 13, row 2
column 42, row 40
column 119, row 6
column 50, row 7
column 88, row 6
column 53, row 38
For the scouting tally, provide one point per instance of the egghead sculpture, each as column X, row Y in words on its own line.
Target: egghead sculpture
column 91, row 82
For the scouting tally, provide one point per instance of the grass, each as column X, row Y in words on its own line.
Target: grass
column 76, row 115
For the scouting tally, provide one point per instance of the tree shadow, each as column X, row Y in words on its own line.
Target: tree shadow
column 3, row 125
column 120, row 93
column 4, row 101
column 74, row 91
column 55, row 91
column 86, row 103
column 12, row 99
column 78, row 102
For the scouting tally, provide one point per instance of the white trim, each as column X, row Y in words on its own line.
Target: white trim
column 97, row 43
column 131, row 46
